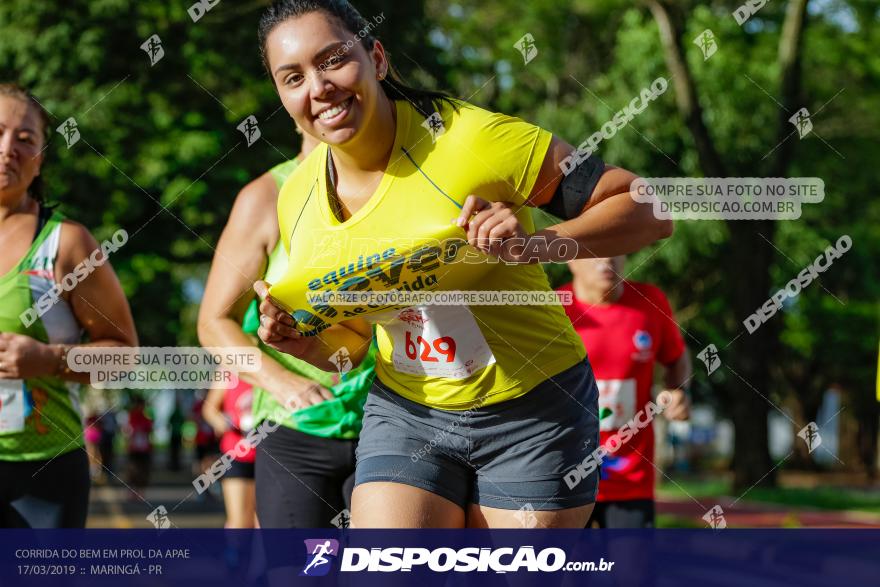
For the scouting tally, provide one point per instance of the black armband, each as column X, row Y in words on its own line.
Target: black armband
column 575, row 189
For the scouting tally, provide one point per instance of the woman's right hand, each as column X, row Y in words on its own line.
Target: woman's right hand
column 277, row 330
column 277, row 327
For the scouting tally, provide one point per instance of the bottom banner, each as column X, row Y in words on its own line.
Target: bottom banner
column 727, row 557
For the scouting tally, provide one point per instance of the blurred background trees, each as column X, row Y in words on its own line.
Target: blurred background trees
column 160, row 156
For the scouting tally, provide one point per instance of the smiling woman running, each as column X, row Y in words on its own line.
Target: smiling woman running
column 500, row 403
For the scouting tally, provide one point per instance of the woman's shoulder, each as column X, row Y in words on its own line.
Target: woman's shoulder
column 76, row 241
column 459, row 110
column 256, row 196
column 465, row 118
column 248, row 215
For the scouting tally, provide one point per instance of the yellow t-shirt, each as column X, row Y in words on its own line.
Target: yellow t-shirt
column 448, row 357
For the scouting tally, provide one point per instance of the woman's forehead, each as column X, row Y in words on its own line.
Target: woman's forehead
column 19, row 113
column 303, row 36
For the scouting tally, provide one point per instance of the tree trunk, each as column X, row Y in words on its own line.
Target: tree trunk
column 749, row 387
column 867, row 439
column 686, row 99
column 751, row 252
column 789, row 56
column 751, row 257
column 810, row 391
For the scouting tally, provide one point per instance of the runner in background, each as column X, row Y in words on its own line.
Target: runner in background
column 176, row 420
column 94, row 431
column 110, row 426
column 228, row 411
column 304, row 469
column 44, row 471
column 140, row 447
column 627, row 327
column 207, row 446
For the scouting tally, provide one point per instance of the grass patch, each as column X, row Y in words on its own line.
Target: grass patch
column 667, row 521
column 827, row 498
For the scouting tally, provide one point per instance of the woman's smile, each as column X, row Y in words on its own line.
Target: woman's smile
column 332, row 115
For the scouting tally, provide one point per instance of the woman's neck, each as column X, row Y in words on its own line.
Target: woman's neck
column 371, row 151
column 15, row 205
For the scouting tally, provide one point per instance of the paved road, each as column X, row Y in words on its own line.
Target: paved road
column 114, row 504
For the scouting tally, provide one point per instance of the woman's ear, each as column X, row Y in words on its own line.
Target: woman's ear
column 380, row 60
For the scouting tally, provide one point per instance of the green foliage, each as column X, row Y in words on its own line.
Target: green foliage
column 594, row 57
column 160, row 154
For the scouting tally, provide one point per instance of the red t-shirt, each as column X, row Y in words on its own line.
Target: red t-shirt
column 140, row 427
column 623, row 340
column 237, row 408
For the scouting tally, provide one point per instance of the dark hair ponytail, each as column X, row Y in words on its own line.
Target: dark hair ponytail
column 425, row 101
column 12, row 90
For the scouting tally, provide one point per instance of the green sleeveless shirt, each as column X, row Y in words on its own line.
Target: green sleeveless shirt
column 40, row 417
column 337, row 418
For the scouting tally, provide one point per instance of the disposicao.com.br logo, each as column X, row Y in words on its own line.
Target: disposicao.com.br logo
column 443, row 560
column 320, row 552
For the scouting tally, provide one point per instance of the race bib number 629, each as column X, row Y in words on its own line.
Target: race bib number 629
column 438, row 341
column 423, row 350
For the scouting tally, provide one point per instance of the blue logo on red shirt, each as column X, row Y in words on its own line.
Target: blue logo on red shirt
column 613, row 464
column 642, row 340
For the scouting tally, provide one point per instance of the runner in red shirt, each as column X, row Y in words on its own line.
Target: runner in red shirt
column 228, row 411
column 627, row 327
column 140, row 447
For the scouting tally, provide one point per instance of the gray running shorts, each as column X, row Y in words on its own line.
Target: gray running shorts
column 511, row 455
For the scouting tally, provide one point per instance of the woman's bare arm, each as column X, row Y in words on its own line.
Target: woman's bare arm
column 612, row 222
column 97, row 302
column 212, row 410
column 248, row 239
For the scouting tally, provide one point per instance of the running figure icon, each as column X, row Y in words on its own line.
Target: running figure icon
column 319, row 552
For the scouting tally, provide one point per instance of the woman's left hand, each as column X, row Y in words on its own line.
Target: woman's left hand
column 22, row 357
column 493, row 228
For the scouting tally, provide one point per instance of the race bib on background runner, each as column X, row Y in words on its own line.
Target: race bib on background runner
column 12, row 412
column 438, row 341
column 619, row 396
column 246, row 422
